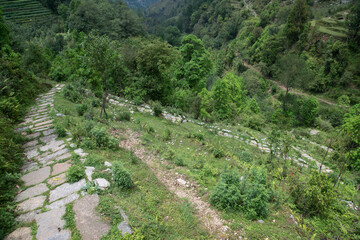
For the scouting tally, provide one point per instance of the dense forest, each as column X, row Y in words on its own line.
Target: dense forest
column 282, row 75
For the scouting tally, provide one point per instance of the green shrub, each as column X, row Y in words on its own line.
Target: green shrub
column 314, row 196
column 73, row 93
column 123, row 116
column 157, row 108
column 102, row 138
column 60, row 130
column 218, row 153
column 75, row 173
column 167, row 135
column 244, row 156
column 121, row 176
column 179, row 162
column 249, row 195
column 226, row 194
column 148, row 129
column 323, row 125
column 82, row 108
column 133, row 158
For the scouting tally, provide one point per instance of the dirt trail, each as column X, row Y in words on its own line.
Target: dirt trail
column 293, row 91
column 176, row 183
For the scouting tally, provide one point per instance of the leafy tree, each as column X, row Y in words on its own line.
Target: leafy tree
column 229, row 96
column 296, row 20
column 351, row 128
column 353, row 22
column 105, row 63
column 153, row 62
column 309, row 109
column 4, row 31
column 293, row 72
column 195, row 65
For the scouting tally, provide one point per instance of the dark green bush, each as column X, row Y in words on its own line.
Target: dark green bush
column 75, row 173
column 226, row 194
column 167, row 135
column 102, row 138
column 121, row 176
column 60, row 130
column 82, row 108
column 123, row 116
column 157, row 108
column 314, row 196
column 133, row 158
column 218, row 153
column 249, row 195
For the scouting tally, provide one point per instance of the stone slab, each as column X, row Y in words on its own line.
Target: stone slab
column 63, row 202
column 29, row 166
column 60, row 179
column 27, row 217
column 30, row 144
column 36, row 177
column 33, row 135
column 23, row 233
column 102, row 183
column 32, row 153
column 48, row 132
column 53, row 155
column 80, row 152
column 60, row 168
column 31, row 204
column 124, row 228
column 32, row 192
column 52, row 145
column 64, row 156
column 66, row 189
column 48, row 138
column 50, row 225
column 89, row 172
column 87, row 220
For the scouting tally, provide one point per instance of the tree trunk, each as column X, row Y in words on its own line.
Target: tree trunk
column 341, row 170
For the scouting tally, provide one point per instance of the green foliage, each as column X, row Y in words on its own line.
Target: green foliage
column 123, row 116
column 74, row 92
column 351, row 128
column 227, row 194
column 253, row 106
column 195, row 65
column 102, row 139
column 113, row 19
column 314, row 196
column 4, row 31
column 122, row 177
column 60, row 130
column 166, row 136
column 353, row 22
column 75, row 173
column 308, row 111
column 82, row 109
column 296, row 20
column 157, row 108
column 250, row 195
column 229, row 96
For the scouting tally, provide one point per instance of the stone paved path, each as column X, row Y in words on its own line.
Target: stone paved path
column 45, row 195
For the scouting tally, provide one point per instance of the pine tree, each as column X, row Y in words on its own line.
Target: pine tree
column 296, row 20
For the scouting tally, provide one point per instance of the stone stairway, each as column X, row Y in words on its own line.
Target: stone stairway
column 45, row 194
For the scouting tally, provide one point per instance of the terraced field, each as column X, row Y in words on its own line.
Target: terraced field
column 24, row 11
column 333, row 26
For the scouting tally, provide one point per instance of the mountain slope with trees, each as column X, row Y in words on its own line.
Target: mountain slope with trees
column 182, row 89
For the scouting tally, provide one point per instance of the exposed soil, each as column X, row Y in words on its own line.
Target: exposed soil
column 178, row 184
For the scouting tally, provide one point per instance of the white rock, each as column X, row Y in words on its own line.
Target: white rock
column 102, row 183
